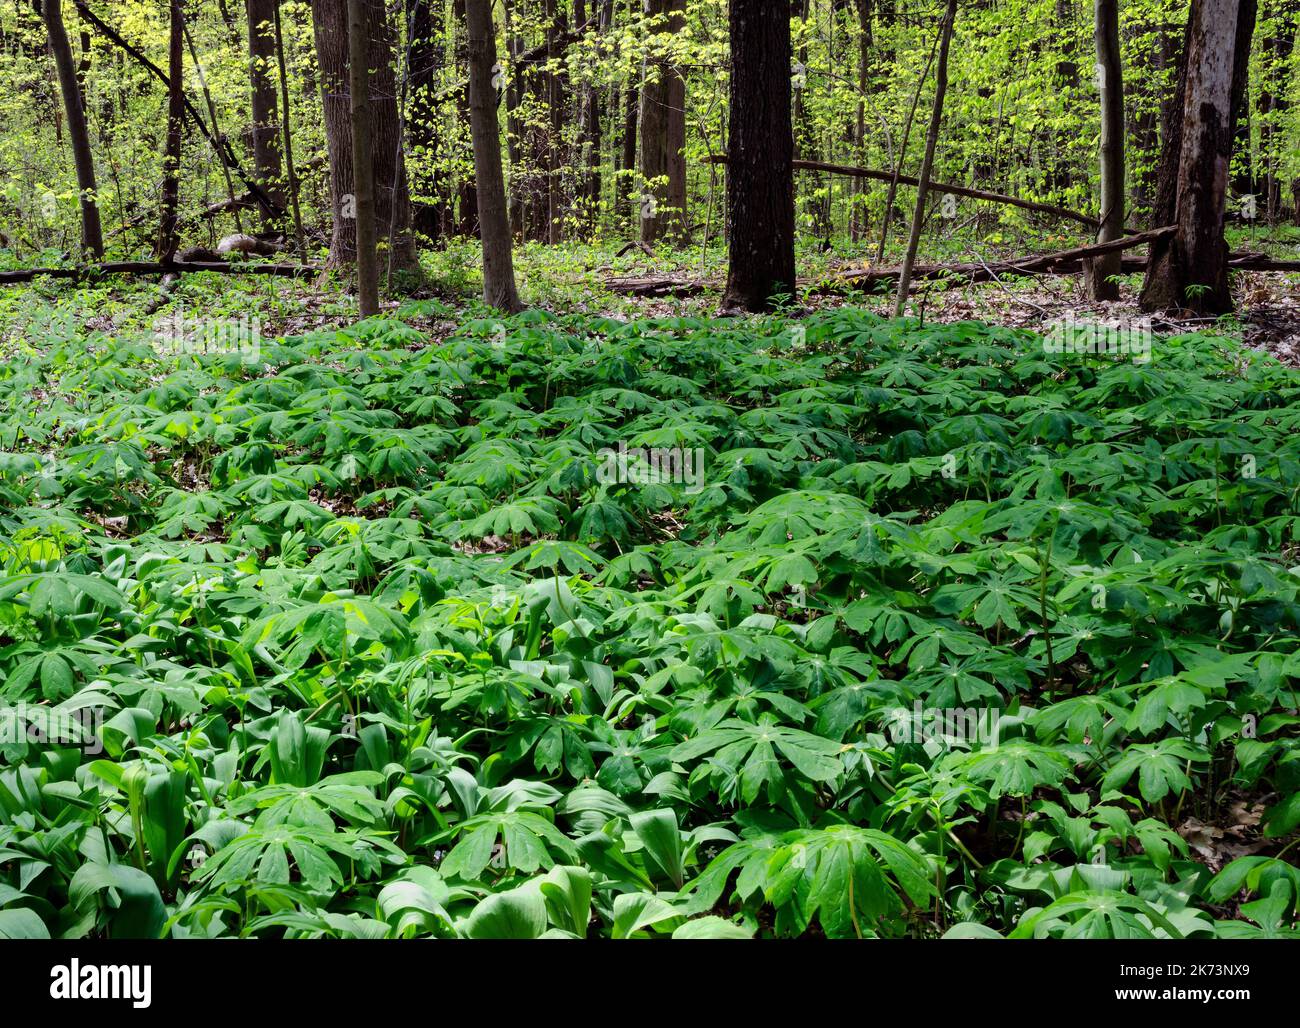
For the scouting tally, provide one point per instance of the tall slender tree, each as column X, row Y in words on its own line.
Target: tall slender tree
column 168, row 237
column 760, row 157
column 92, row 233
column 1100, row 273
column 363, row 168
column 265, row 129
column 392, row 199
column 663, row 130
column 927, row 164
column 499, row 288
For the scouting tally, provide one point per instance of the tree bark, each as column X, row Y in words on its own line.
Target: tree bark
column 168, row 238
column 427, row 214
column 363, row 167
column 1191, row 271
column 265, row 127
column 760, row 155
column 499, row 288
column 927, row 164
column 290, row 174
column 392, row 199
column 1099, row 273
column 663, row 132
column 92, row 232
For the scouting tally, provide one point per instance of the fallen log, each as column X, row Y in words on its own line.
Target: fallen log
column 935, row 187
column 157, row 268
column 1060, row 262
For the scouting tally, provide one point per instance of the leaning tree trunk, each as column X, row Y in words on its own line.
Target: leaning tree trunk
column 168, row 238
column 363, row 167
column 499, row 289
column 1101, row 272
column 265, row 127
column 1191, row 272
column 392, row 199
column 92, row 234
column 663, row 132
column 927, row 164
column 760, row 157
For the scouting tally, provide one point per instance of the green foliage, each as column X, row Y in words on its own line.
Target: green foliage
column 372, row 644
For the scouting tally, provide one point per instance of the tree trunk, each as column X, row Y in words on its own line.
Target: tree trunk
column 168, row 239
column 92, row 233
column 631, row 117
column 760, row 152
column 499, row 289
column 363, row 166
column 663, row 133
column 265, row 127
column 427, row 214
column 1099, row 273
column 927, row 164
column 392, row 199
column 291, row 174
column 467, row 193
column 1192, row 270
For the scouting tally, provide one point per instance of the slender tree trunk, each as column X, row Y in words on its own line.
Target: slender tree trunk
column 265, row 128
column 760, row 152
column 427, row 215
column 663, row 132
column 212, row 116
column 291, row 174
column 392, row 198
column 858, row 218
column 168, row 239
column 927, row 165
column 363, row 167
column 467, row 194
column 1192, row 271
column 499, row 289
column 1099, row 273
column 631, row 126
column 92, row 233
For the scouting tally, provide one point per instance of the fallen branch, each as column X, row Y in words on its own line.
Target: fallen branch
column 935, row 187
column 1061, row 262
column 158, row 268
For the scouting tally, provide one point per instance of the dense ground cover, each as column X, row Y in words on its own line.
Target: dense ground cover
column 951, row 633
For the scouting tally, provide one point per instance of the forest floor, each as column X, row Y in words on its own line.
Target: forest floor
column 582, row 279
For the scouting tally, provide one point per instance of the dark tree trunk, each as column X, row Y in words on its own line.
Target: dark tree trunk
column 265, row 128
column 1110, row 72
column 290, row 174
column 363, row 167
column 499, row 289
column 168, row 239
column 1192, row 270
column 663, row 134
column 467, row 193
column 760, row 152
column 392, row 199
column 631, row 117
column 427, row 210
column 92, row 234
